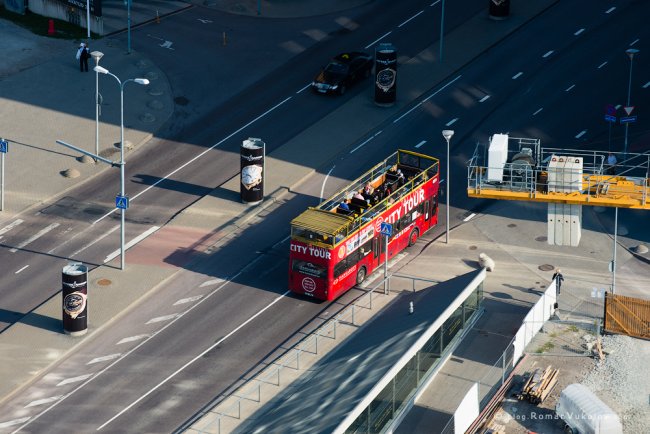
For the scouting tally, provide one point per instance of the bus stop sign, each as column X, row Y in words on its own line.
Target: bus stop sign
column 386, row 229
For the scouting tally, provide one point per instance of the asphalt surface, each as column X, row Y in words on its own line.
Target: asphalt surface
column 196, row 231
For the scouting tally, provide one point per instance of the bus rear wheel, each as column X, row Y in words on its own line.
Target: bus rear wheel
column 413, row 236
column 361, row 275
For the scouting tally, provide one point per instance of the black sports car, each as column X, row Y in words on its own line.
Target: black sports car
column 342, row 71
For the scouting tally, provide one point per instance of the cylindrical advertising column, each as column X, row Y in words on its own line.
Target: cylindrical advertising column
column 499, row 9
column 252, row 171
column 385, row 74
column 75, row 292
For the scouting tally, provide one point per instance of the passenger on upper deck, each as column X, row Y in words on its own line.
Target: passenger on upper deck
column 359, row 196
column 344, row 205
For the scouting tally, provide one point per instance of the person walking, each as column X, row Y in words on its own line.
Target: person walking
column 558, row 280
column 83, row 54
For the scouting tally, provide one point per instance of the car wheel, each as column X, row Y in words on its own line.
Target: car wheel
column 342, row 89
column 413, row 236
column 361, row 275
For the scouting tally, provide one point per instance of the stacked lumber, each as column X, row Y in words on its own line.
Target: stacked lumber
column 539, row 385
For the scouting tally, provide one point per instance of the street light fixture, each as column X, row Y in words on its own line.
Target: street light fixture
column 447, row 134
column 144, row 82
column 630, row 53
column 97, row 55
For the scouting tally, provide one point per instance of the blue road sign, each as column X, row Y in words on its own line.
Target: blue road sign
column 610, row 110
column 121, row 202
column 610, row 118
column 4, row 146
column 386, row 229
column 628, row 119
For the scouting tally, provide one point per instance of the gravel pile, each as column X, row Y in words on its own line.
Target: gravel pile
column 622, row 381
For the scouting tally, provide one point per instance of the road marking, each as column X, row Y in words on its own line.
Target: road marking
column 67, row 241
column 14, row 422
column 104, row 358
column 101, row 237
column 646, row 85
column 35, row 237
column 517, row 75
column 210, row 348
column 10, row 226
column 21, row 269
column 43, row 401
column 485, row 98
column 366, row 141
column 192, row 160
column 322, row 189
column 548, row 53
column 634, row 42
column 610, row 10
column 538, row 110
column 427, row 98
column 581, row 133
column 421, row 143
column 602, row 64
column 132, row 243
column 163, row 318
column 569, row 88
column 306, row 87
column 451, row 122
column 578, row 32
column 377, row 40
column 469, row 217
column 132, row 338
column 213, row 281
column 74, row 380
column 188, row 300
column 204, row 21
column 410, row 19
column 618, row 106
column 435, row 3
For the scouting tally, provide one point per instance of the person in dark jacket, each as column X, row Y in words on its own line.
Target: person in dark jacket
column 558, row 280
column 83, row 54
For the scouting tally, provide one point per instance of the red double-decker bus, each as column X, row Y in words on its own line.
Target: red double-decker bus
column 335, row 245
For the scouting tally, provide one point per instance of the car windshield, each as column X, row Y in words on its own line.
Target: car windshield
column 336, row 68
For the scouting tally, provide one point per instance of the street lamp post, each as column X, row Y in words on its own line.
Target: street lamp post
column 442, row 26
column 97, row 55
column 144, row 82
column 447, row 134
column 630, row 52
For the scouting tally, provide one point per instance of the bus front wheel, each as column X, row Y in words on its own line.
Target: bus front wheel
column 413, row 236
column 361, row 275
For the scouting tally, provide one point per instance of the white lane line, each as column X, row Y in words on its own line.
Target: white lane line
column 569, row 88
column 132, row 243
column 192, row 160
column 645, row 86
column 469, row 217
column 610, row 10
column 74, row 380
column 427, row 98
column 9, row 423
column 602, row 64
column 215, row 281
column 21, row 269
column 634, row 42
column 322, row 189
column 188, row 300
column 366, row 141
column 34, row 237
column 548, row 53
column 451, row 122
column 485, row 98
column 306, row 87
column 132, row 338
column 67, row 241
column 377, row 40
column 410, row 19
column 578, row 32
column 104, row 358
column 210, row 348
column 98, row 239
column 581, row 133
column 10, row 226
column 164, row 318
column 618, row 106
column 435, row 3
column 538, row 110
column 44, row 401
column 421, row 143
column 517, row 75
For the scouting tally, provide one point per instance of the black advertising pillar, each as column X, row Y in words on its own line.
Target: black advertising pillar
column 499, row 9
column 75, row 292
column 252, row 171
column 385, row 74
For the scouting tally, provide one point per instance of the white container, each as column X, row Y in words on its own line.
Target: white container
column 583, row 412
column 497, row 157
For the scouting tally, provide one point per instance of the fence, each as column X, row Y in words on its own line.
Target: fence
column 627, row 315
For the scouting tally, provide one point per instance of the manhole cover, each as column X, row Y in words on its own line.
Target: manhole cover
column 472, row 247
column 104, row 282
column 541, row 238
column 512, row 225
column 546, row 267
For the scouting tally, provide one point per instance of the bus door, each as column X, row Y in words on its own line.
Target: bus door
column 427, row 214
column 377, row 248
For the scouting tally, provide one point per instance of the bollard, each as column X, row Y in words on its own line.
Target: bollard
column 50, row 27
column 410, row 308
column 224, row 39
column 157, row 17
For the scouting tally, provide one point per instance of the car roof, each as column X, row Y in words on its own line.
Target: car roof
column 349, row 56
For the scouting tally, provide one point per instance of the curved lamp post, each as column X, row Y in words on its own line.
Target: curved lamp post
column 447, row 134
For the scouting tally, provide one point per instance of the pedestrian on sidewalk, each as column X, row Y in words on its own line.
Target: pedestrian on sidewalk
column 83, row 54
column 558, row 281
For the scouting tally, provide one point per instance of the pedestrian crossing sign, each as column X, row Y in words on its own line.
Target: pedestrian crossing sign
column 121, row 202
column 3, row 146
